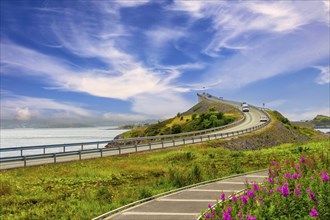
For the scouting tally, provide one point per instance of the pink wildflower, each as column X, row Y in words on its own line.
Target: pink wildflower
column 313, row 213
column 312, row 195
column 288, row 175
column 234, row 198
column 207, row 215
column 285, row 190
column 250, row 193
column 297, row 191
column 255, row 187
column 209, row 206
column 271, row 191
column 294, row 176
column 302, row 159
column 270, row 180
column 244, row 199
column 325, row 177
column 222, row 196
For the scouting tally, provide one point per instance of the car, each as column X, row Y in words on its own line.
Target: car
column 263, row 119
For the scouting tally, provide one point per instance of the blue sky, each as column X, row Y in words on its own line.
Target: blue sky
column 135, row 60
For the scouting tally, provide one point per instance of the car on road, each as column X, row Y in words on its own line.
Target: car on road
column 263, row 119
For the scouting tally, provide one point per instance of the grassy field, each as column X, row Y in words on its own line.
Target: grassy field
column 85, row 189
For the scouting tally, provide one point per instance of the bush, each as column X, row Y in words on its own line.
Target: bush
column 176, row 129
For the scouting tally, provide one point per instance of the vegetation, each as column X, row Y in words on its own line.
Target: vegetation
column 85, row 189
column 295, row 189
column 319, row 120
column 184, row 123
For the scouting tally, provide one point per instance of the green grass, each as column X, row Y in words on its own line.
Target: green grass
column 85, row 189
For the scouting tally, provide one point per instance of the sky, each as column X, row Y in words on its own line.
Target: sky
column 134, row 60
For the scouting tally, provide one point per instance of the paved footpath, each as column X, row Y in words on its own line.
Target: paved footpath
column 188, row 204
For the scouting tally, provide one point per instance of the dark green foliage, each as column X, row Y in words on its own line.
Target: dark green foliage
column 176, row 129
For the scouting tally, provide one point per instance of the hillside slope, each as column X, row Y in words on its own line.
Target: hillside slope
column 280, row 131
column 206, row 114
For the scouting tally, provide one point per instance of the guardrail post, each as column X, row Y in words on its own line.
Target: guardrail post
column 184, row 141
column 149, row 146
column 101, row 151
column 119, row 149
column 79, row 155
column 173, row 143
column 162, row 144
column 135, row 147
column 201, row 139
column 54, row 155
column 24, row 161
column 21, row 152
column 208, row 137
column 82, row 147
column 44, row 150
column 193, row 140
column 64, row 149
column 97, row 146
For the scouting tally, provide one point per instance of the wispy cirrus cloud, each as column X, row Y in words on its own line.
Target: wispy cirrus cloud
column 28, row 108
column 324, row 76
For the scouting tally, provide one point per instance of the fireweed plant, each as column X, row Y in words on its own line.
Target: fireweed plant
column 293, row 190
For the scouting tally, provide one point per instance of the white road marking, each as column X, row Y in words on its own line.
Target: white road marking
column 237, row 183
column 186, row 200
column 213, row 190
column 252, row 176
column 159, row 213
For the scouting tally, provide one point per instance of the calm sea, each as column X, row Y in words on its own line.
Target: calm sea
column 30, row 137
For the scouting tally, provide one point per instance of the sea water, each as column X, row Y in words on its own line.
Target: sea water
column 31, row 137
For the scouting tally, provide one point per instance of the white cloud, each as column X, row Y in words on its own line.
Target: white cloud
column 121, row 85
column 234, row 20
column 324, row 76
column 162, row 35
column 326, row 5
column 164, row 104
column 27, row 108
column 23, row 114
column 131, row 3
column 118, row 117
column 281, row 55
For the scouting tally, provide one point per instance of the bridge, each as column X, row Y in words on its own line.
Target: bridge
column 43, row 154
